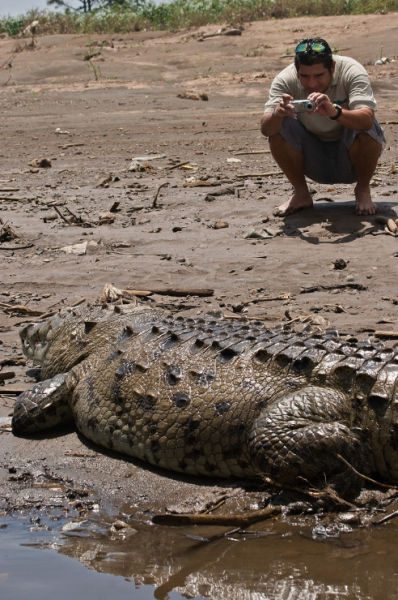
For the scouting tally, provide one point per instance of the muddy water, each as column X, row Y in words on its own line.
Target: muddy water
column 280, row 560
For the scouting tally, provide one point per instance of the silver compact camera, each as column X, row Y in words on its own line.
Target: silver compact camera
column 303, row 105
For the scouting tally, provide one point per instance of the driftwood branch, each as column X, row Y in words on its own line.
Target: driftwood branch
column 21, row 309
column 241, row 520
column 204, row 292
column 387, row 334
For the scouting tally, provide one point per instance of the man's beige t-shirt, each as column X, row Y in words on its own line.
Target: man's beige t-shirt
column 350, row 87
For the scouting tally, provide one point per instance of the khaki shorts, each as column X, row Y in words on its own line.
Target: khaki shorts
column 326, row 162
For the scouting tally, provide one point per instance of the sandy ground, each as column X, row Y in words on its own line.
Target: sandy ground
column 89, row 119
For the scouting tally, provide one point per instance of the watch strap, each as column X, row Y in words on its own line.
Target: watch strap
column 339, row 111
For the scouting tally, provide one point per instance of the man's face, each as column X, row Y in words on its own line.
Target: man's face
column 315, row 78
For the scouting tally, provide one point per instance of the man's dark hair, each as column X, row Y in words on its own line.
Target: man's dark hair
column 310, row 56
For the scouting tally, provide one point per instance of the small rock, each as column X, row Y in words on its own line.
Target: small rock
column 119, row 525
column 122, row 528
column 339, row 264
column 60, row 131
column 41, row 163
column 350, row 518
column 72, row 525
column 106, row 218
column 192, row 95
column 81, row 248
column 78, row 249
column 220, row 225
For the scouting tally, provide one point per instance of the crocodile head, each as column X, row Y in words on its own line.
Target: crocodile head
column 62, row 329
column 65, row 339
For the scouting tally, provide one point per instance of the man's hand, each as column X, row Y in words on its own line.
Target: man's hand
column 323, row 104
column 271, row 122
column 284, row 108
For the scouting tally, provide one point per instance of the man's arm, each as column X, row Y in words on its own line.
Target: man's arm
column 271, row 122
column 359, row 118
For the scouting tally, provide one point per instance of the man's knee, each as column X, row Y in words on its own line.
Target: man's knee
column 364, row 142
column 278, row 144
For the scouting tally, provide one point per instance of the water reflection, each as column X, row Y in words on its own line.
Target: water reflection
column 276, row 560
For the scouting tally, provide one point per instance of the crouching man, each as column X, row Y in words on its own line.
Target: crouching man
column 333, row 137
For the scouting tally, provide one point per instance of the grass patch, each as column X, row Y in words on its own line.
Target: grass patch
column 182, row 14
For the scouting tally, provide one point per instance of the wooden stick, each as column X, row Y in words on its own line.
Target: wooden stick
column 252, row 152
column 60, row 214
column 154, row 205
column 14, row 198
column 181, row 164
column 386, row 518
column 340, row 286
column 242, row 520
column 78, row 302
column 4, row 390
column 141, row 293
column 65, row 146
column 393, row 335
column 267, row 174
column 365, row 477
column 16, row 247
column 187, row 292
column 171, row 292
column 75, row 217
column 200, row 183
column 20, row 308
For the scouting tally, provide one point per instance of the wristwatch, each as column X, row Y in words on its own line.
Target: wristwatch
column 339, row 111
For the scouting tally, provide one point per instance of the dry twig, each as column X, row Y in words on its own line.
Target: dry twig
column 386, row 518
column 365, row 477
column 155, row 199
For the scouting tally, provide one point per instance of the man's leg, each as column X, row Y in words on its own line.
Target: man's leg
column 364, row 154
column 290, row 160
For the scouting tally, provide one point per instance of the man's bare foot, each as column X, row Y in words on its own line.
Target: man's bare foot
column 297, row 202
column 363, row 202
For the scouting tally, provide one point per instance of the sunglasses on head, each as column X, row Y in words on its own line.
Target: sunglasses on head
column 306, row 47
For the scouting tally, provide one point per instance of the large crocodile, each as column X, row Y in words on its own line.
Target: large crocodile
column 217, row 397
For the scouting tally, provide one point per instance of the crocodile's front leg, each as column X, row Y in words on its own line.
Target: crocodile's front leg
column 301, row 436
column 43, row 406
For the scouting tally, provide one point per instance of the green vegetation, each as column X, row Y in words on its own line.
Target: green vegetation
column 122, row 16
